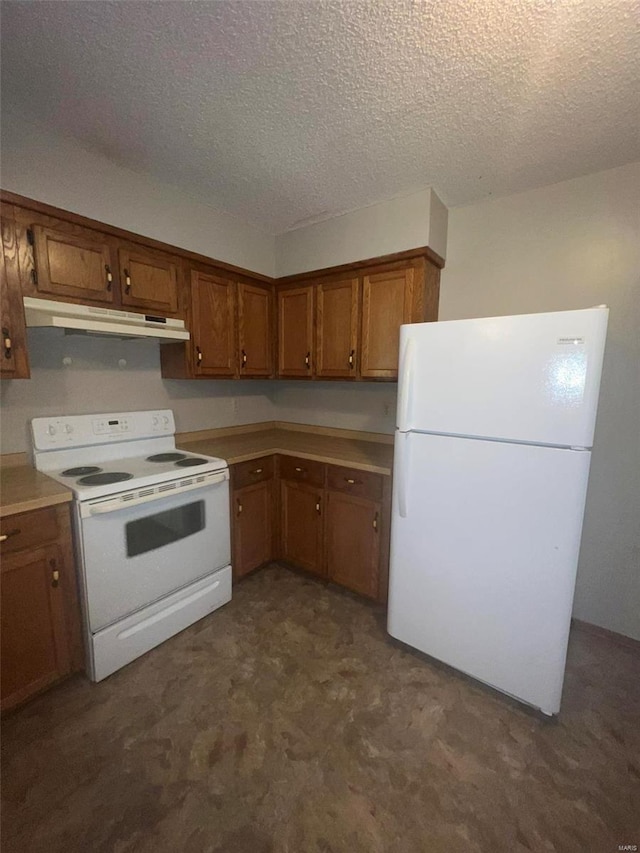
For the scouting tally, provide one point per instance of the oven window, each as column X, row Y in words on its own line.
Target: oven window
column 155, row 531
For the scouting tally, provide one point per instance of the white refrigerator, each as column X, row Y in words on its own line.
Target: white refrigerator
column 492, row 450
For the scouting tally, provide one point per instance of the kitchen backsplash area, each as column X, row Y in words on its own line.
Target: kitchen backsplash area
column 79, row 374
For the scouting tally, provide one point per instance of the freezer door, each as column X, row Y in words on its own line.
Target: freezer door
column 484, row 548
column 533, row 377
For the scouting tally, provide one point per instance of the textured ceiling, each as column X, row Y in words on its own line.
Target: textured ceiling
column 288, row 112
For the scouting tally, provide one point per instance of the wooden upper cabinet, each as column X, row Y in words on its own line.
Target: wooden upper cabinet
column 74, row 264
column 14, row 363
column 148, row 280
column 255, row 330
column 213, row 329
column 295, row 331
column 337, row 328
column 386, row 303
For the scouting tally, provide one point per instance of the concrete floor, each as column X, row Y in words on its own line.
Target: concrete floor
column 288, row 721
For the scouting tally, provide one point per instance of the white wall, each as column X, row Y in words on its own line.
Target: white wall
column 419, row 219
column 573, row 245
column 94, row 382
column 56, row 170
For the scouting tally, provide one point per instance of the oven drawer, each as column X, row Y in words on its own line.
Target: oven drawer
column 302, row 470
column 253, row 471
column 360, row 484
column 28, row 530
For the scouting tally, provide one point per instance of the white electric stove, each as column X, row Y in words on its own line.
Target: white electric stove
column 152, row 528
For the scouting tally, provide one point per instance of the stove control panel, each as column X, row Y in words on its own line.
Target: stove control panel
column 83, row 430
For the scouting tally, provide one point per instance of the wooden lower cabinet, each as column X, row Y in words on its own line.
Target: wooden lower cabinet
column 301, row 520
column 40, row 619
column 353, row 542
column 252, row 508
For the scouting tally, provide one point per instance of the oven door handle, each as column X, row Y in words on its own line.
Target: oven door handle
column 119, row 504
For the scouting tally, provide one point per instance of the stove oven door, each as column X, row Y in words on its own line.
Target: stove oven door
column 136, row 553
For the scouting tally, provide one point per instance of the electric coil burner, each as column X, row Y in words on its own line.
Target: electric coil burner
column 81, row 471
column 153, row 541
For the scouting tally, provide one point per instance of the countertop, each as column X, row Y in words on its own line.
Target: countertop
column 338, row 447
column 22, row 488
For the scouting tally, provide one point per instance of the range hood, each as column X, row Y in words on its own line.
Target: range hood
column 101, row 321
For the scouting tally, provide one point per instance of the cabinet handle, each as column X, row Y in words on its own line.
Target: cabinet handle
column 199, row 355
column 351, row 359
column 307, row 360
column 300, row 470
column 318, row 506
column 107, row 269
column 257, row 471
column 239, row 507
column 6, row 342
column 13, row 532
column 55, row 574
column 352, row 482
column 244, row 358
column 375, row 522
column 127, row 281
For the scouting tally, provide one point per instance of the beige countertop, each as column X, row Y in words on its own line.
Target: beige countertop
column 22, row 488
column 365, row 451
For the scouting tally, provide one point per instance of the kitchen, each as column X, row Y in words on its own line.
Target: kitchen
column 555, row 247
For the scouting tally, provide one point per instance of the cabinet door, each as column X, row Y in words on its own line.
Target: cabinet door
column 34, row 635
column 386, row 305
column 148, row 280
column 75, row 264
column 295, row 331
column 14, row 363
column 255, row 330
column 301, row 526
column 337, row 328
column 213, row 334
column 353, row 542
column 252, row 527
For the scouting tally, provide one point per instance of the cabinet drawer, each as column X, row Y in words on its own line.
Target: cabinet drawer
column 253, row 471
column 302, row 470
column 28, row 530
column 361, row 484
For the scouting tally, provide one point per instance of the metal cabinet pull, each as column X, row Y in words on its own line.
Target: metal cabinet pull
column 300, row 470
column 199, row 355
column 375, row 522
column 318, row 506
column 244, row 358
column 351, row 358
column 107, row 269
column 127, row 281
column 307, row 360
column 239, row 507
column 258, row 471
column 55, row 574
column 350, row 481
column 14, row 532
column 6, row 342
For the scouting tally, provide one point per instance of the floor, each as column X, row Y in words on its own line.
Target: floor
column 288, row 721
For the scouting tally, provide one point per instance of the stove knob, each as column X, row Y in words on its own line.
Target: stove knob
column 166, row 420
column 51, row 429
column 68, row 429
column 155, row 421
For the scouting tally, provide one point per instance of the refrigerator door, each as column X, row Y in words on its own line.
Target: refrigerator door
column 484, row 556
column 532, row 378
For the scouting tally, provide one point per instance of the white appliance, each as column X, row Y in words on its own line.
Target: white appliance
column 492, row 451
column 152, row 528
column 101, row 321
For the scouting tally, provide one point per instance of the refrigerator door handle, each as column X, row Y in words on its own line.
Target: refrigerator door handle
column 401, row 451
column 404, row 385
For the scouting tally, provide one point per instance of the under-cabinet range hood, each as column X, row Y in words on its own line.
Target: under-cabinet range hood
column 101, row 321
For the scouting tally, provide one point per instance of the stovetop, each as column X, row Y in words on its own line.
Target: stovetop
column 100, row 455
